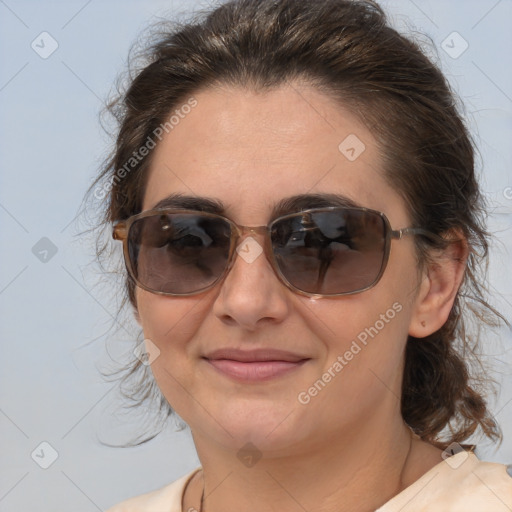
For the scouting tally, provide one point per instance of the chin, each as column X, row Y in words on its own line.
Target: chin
column 266, row 426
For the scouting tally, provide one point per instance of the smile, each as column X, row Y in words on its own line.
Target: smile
column 254, row 366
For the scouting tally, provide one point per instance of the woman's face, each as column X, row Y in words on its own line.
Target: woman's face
column 250, row 151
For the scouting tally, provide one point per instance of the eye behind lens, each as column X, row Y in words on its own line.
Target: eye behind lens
column 179, row 253
column 330, row 252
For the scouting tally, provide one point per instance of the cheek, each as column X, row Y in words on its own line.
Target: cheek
column 363, row 331
column 170, row 322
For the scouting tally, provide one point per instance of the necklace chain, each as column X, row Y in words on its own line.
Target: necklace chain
column 202, row 499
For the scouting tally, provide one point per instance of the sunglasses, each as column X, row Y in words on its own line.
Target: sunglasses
column 320, row 252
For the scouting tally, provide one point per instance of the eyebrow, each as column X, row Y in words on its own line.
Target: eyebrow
column 283, row 207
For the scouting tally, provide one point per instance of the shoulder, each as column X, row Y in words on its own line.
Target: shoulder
column 461, row 483
column 166, row 498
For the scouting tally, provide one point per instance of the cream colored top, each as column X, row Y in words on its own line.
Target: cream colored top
column 461, row 483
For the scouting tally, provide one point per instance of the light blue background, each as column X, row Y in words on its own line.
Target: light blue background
column 56, row 316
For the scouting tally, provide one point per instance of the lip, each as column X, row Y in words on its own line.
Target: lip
column 256, row 355
column 254, row 365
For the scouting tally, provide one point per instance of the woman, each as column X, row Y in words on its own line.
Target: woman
column 296, row 197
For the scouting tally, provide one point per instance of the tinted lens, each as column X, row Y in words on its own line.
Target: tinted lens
column 178, row 253
column 330, row 252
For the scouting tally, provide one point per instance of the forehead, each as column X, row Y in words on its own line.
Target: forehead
column 250, row 150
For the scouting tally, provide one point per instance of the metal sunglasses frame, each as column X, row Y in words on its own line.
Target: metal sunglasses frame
column 121, row 232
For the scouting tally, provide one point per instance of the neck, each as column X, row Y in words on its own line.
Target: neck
column 333, row 476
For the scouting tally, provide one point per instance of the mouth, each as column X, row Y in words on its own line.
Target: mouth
column 254, row 365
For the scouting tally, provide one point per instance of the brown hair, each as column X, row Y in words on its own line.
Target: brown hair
column 347, row 50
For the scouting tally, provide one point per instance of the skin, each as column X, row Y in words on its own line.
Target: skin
column 249, row 150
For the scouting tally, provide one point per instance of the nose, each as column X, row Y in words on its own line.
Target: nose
column 251, row 294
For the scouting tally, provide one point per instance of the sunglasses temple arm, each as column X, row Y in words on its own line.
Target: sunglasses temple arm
column 401, row 233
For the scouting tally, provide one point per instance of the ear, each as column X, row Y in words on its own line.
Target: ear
column 440, row 283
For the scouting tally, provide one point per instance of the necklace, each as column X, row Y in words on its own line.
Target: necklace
column 202, row 499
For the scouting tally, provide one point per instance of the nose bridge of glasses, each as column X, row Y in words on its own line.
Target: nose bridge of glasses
column 252, row 230
column 258, row 233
